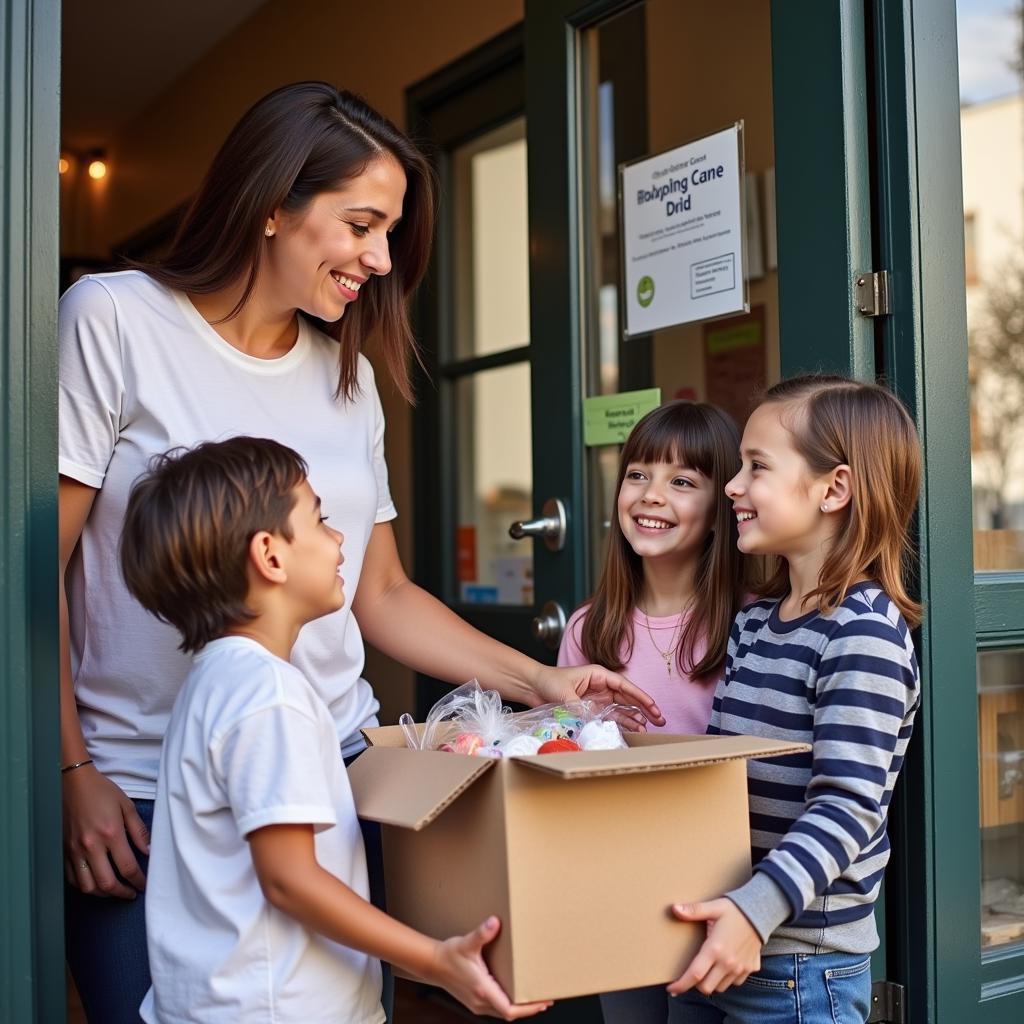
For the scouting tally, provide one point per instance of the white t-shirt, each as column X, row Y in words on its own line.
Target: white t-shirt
column 140, row 372
column 249, row 744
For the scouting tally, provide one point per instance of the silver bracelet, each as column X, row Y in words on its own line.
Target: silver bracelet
column 77, row 764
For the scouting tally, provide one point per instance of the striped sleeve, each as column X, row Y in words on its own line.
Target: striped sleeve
column 865, row 690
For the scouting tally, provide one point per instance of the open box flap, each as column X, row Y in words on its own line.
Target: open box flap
column 659, row 757
column 410, row 788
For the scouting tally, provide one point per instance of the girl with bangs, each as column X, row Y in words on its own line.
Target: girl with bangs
column 670, row 588
column 672, row 582
column 828, row 483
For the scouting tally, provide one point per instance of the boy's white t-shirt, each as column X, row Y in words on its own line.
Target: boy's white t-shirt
column 249, row 744
column 141, row 372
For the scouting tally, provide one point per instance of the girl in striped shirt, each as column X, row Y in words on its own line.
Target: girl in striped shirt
column 829, row 480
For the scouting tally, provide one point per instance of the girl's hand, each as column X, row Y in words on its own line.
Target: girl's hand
column 98, row 821
column 591, row 682
column 730, row 953
column 459, row 967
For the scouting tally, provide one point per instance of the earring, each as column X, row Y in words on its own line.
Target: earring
column 824, row 507
column 268, row 231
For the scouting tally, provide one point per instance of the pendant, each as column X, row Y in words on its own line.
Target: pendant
column 668, row 663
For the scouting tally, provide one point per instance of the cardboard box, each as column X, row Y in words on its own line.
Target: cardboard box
column 579, row 854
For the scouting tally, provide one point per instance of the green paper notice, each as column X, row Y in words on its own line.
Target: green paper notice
column 608, row 419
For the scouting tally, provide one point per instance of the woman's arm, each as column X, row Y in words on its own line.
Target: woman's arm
column 96, row 812
column 405, row 622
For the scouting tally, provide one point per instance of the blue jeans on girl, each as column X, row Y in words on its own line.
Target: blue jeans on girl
column 802, row 988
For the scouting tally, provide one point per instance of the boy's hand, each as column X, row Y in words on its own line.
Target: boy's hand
column 601, row 685
column 730, row 953
column 459, row 967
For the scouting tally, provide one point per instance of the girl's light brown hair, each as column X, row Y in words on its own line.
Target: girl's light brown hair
column 835, row 421
column 704, row 438
column 295, row 143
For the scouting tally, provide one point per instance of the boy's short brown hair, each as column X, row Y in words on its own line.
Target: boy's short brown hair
column 187, row 528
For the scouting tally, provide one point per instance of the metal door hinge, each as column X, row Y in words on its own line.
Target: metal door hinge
column 886, row 1003
column 874, row 293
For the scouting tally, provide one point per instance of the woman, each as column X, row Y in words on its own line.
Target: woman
column 314, row 204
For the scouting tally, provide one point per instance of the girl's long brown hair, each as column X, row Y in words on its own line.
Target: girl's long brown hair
column 835, row 421
column 704, row 438
column 295, row 143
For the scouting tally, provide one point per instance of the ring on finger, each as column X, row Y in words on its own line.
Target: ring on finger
column 83, row 865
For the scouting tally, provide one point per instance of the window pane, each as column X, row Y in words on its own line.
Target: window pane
column 1001, row 745
column 490, row 254
column 992, row 138
column 494, row 476
column 627, row 113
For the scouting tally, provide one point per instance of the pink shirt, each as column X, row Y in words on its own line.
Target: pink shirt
column 686, row 704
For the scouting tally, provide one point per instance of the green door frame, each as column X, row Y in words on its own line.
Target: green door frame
column 823, row 203
column 476, row 93
column 920, row 238
column 31, row 915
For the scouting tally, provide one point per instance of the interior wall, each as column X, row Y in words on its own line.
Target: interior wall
column 157, row 160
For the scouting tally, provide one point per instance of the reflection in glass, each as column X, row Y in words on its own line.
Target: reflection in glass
column 1001, row 746
column 494, row 477
column 992, row 140
column 490, row 251
column 627, row 113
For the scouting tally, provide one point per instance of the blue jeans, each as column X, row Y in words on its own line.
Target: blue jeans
column 802, row 988
column 105, row 942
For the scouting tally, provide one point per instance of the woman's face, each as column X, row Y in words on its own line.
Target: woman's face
column 317, row 259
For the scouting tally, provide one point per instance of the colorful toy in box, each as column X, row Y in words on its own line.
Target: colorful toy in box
column 546, row 731
column 568, row 725
column 473, row 721
column 467, row 743
column 559, row 746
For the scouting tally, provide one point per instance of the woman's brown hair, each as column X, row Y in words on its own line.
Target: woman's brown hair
column 295, row 143
column 835, row 421
column 704, row 438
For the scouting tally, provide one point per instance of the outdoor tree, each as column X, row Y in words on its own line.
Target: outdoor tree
column 997, row 379
column 996, row 357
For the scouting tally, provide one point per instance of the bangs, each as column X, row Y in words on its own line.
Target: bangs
column 678, row 434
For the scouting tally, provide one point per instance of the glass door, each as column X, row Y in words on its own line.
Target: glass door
column 990, row 40
column 643, row 78
column 607, row 82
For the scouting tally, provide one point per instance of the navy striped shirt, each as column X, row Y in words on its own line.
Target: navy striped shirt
column 848, row 684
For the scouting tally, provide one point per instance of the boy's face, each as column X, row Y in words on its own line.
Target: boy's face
column 312, row 558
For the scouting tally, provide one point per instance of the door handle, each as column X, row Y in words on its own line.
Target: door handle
column 548, row 627
column 550, row 525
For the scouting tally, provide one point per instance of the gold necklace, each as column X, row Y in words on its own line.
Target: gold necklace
column 667, row 655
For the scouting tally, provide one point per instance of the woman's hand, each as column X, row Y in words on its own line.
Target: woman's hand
column 98, row 821
column 591, row 682
column 730, row 953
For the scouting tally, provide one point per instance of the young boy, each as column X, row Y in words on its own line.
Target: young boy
column 256, row 903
